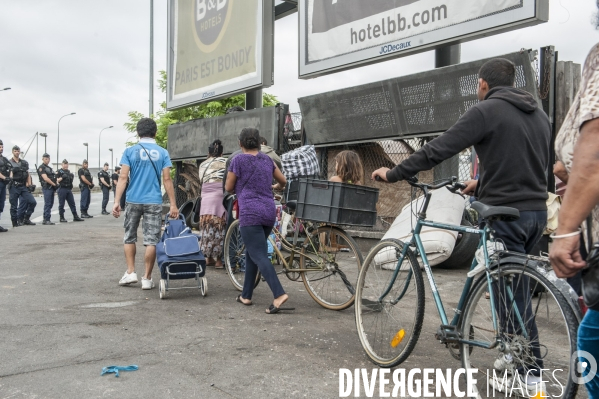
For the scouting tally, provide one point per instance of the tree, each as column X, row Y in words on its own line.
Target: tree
column 165, row 118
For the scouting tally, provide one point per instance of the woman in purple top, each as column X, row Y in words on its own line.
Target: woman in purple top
column 250, row 177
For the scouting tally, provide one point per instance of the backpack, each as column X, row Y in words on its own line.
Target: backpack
column 178, row 245
column 300, row 162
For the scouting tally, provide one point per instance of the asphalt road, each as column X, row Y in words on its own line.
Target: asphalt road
column 63, row 317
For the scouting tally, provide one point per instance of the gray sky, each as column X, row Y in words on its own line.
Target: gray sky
column 92, row 58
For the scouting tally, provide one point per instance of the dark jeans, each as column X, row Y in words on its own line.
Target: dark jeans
column 256, row 257
column 105, row 196
column 66, row 194
column 588, row 341
column 2, row 195
column 48, row 202
column 85, row 200
column 27, row 206
column 520, row 236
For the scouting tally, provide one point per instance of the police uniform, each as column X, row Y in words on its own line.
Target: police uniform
column 48, row 189
column 65, row 193
column 5, row 168
column 103, row 176
column 115, row 180
column 20, row 192
column 85, row 191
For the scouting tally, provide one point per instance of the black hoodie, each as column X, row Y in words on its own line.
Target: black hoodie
column 511, row 136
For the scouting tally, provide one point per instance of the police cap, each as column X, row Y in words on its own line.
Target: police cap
column 16, row 148
column 117, row 168
column 46, row 155
column 65, row 161
column 84, row 161
column 106, row 164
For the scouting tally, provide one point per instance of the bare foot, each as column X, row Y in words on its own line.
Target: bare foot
column 218, row 265
column 278, row 302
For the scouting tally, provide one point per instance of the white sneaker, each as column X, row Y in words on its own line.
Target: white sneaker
column 128, row 279
column 519, row 388
column 146, row 284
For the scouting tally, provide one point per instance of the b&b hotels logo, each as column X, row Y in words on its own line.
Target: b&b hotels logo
column 211, row 18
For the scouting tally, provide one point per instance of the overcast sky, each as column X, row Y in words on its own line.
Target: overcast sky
column 92, row 58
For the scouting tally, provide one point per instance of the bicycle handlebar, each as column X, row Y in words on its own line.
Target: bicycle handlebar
column 453, row 182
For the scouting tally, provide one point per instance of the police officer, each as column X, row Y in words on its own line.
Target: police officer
column 86, row 184
column 104, row 179
column 49, row 187
column 65, row 178
column 20, row 190
column 115, row 179
column 5, row 168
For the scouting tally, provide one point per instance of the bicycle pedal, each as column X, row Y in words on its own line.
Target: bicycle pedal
column 447, row 334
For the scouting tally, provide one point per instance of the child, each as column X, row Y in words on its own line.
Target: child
column 348, row 168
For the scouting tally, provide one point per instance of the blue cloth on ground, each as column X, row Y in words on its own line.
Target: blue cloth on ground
column 116, row 369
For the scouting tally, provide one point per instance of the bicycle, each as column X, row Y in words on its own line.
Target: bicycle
column 489, row 325
column 325, row 257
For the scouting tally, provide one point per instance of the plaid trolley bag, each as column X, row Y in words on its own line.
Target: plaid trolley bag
column 179, row 256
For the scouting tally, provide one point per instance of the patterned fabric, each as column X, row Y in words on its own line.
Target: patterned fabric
column 152, row 221
column 300, row 162
column 584, row 109
column 254, row 189
column 212, row 229
column 212, row 170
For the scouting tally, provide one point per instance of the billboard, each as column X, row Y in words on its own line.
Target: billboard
column 341, row 34
column 218, row 48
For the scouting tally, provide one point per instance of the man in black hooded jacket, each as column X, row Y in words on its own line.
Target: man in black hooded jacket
column 511, row 136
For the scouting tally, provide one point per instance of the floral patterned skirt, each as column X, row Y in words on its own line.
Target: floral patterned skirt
column 212, row 229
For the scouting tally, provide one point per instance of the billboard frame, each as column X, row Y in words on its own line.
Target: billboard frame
column 264, row 63
column 427, row 41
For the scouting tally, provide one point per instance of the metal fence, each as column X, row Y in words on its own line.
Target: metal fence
column 374, row 155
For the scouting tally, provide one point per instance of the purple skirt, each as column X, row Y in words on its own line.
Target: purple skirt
column 212, row 199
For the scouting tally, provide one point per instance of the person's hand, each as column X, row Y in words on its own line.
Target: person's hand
column 116, row 210
column 174, row 212
column 381, row 173
column 565, row 256
column 470, row 187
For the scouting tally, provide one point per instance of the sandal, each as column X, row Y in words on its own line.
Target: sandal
column 272, row 309
column 243, row 303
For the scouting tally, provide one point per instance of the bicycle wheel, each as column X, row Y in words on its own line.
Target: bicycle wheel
column 537, row 330
column 235, row 257
column 332, row 282
column 389, row 325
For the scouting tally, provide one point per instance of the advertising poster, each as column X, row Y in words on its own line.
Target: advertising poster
column 216, row 49
column 338, row 34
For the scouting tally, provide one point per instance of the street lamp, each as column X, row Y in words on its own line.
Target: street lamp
column 44, row 135
column 6, row 88
column 58, row 139
column 99, row 156
column 111, row 157
column 87, row 151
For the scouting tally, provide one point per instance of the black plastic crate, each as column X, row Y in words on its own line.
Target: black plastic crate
column 336, row 203
column 292, row 190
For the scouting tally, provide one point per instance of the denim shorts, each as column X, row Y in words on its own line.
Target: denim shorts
column 152, row 222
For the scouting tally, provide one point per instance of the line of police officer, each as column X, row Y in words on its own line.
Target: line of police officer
column 62, row 183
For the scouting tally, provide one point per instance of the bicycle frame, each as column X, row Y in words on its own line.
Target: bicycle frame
column 416, row 241
column 292, row 248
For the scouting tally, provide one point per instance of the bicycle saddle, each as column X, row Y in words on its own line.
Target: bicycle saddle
column 291, row 205
column 493, row 213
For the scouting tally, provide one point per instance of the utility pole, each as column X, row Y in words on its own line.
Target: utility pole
column 151, row 59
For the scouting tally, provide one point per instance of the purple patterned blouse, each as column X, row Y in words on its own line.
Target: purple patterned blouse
column 253, row 188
